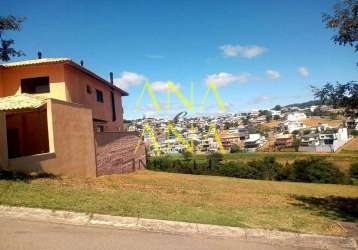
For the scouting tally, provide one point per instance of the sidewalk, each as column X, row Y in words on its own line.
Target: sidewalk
column 259, row 236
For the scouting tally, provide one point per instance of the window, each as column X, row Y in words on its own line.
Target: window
column 99, row 129
column 99, row 95
column 113, row 105
column 35, row 85
column 88, row 89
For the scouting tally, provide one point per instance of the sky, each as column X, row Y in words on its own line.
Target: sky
column 257, row 53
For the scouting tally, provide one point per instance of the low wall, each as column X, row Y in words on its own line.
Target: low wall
column 115, row 153
column 323, row 148
column 71, row 143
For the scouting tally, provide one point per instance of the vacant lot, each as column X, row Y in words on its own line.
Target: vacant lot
column 350, row 147
column 314, row 121
column 311, row 208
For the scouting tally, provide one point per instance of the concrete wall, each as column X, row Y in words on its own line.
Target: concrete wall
column 71, row 143
column 11, row 79
column 115, row 153
column 3, row 142
column 76, row 84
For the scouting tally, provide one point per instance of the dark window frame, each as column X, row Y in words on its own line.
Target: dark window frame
column 89, row 89
column 99, row 96
column 35, row 85
column 113, row 106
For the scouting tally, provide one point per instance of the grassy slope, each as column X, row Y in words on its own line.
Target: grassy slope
column 311, row 208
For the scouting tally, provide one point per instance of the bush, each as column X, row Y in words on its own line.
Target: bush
column 315, row 170
column 187, row 154
column 216, row 157
column 353, row 171
column 235, row 148
column 237, row 169
column 308, row 170
column 266, row 169
column 354, row 132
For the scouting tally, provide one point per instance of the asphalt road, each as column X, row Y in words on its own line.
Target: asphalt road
column 17, row 234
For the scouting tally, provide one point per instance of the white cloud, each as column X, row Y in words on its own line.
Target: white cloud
column 260, row 99
column 272, row 74
column 222, row 79
column 303, row 71
column 250, row 51
column 129, row 79
column 161, row 86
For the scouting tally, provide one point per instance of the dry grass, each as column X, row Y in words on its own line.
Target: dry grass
column 271, row 124
column 352, row 145
column 314, row 121
column 310, row 208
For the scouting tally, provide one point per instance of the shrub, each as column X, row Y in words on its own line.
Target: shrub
column 315, row 170
column 235, row 148
column 354, row 132
column 308, row 170
column 353, row 171
column 187, row 154
column 217, row 157
column 266, row 169
column 237, row 169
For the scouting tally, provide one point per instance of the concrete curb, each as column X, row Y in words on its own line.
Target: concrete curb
column 130, row 223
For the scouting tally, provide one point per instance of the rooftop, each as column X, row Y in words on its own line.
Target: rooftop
column 21, row 101
column 62, row 60
column 36, row 61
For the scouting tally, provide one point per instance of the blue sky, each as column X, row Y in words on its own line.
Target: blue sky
column 259, row 53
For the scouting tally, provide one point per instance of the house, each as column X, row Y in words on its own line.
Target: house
column 352, row 123
column 290, row 126
column 229, row 139
column 254, row 142
column 243, row 133
column 58, row 117
column 296, row 116
column 285, row 140
column 309, row 140
column 326, row 141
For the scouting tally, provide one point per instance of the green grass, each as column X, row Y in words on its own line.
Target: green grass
column 309, row 208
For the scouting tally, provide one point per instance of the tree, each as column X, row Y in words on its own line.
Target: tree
column 9, row 23
column 235, row 148
column 345, row 19
column 339, row 95
column 277, row 107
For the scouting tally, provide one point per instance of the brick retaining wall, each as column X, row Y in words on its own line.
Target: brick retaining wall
column 115, row 153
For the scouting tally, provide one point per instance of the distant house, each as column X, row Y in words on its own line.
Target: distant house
column 326, row 141
column 254, row 142
column 243, row 133
column 296, row 116
column 285, row 140
column 290, row 126
column 352, row 123
column 229, row 139
column 58, row 117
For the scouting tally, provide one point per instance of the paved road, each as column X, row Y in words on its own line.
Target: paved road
column 16, row 234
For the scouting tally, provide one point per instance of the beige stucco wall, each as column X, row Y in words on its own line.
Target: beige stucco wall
column 3, row 141
column 11, row 79
column 71, row 139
